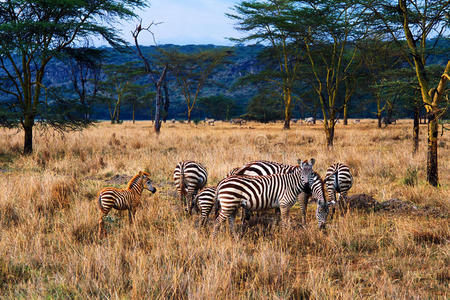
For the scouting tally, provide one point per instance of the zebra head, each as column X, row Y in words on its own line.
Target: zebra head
column 306, row 170
column 322, row 210
column 147, row 183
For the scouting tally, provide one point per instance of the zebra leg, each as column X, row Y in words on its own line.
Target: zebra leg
column 342, row 209
column 231, row 220
column 101, row 229
column 332, row 195
column 220, row 219
column 303, row 205
column 130, row 216
column 284, row 217
column 277, row 215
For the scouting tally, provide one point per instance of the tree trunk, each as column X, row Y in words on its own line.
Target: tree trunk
column 157, row 110
column 118, row 115
column 28, row 128
column 379, row 119
column 166, row 100
column 345, row 114
column 329, row 131
column 416, row 129
column 432, row 165
column 287, row 111
column 189, row 116
column 133, row 112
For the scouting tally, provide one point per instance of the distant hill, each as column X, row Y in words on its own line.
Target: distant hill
column 243, row 62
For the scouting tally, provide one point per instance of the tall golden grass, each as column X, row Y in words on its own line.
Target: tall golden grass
column 48, row 217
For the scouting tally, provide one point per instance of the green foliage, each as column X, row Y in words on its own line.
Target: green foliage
column 218, row 107
column 192, row 71
column 265, row 107
column 32, row 33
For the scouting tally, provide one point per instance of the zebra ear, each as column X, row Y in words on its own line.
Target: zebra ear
column 140, row 173
column 312, row 161
column 299, row 161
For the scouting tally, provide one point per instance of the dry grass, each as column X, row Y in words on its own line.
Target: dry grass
column 48, row 218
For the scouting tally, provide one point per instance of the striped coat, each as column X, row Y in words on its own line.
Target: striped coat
column 189, row 178
column 264, row 167
column 123, row 199
column 338, row 179
column 271, row 191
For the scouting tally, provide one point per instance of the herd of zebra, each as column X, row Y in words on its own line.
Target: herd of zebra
column 261, row 185
column 257, row 185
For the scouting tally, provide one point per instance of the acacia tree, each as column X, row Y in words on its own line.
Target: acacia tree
column 416, row 21
column 332, row 29
column 268, row 21
column 85, row 70
column 31, row 34
column 193, row 70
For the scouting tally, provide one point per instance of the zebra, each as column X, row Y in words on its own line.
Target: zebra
column 123, row 199
column 205, row 201
column 263, row 167
column 338, row 179
column 270, row 191
column 189, row 177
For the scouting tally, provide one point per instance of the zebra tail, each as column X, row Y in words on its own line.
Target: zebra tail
column 182, row 183
column 99, row 201
column 216, row 206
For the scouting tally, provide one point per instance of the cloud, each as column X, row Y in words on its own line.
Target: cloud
column 187, row 22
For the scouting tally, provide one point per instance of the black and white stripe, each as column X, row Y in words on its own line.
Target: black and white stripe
column 271, row 191
column 338, row 179
column 189, row 177
column 264, row 167
column 123, row 199
column 205, row 202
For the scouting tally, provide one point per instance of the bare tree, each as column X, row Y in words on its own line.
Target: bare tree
column 157, row 77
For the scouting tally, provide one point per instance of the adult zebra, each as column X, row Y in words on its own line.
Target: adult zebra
column 264, row 167
column 271, row 191
column 205, row 200
column 338, row 179
column 123, row 199
column 189, row 177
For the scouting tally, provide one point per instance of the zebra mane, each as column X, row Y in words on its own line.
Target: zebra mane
column 135, row 179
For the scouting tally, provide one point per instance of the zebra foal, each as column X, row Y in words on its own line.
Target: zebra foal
column 189, row 177
column 123, row 199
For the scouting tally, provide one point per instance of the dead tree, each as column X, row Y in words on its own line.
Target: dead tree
column 156, row 77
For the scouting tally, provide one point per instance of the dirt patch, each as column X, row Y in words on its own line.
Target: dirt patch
column 368, row 203
column 362, row 202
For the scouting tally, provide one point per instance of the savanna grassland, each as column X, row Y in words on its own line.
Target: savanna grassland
column 48, row 217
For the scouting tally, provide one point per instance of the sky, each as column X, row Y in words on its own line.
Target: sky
column 186, row 22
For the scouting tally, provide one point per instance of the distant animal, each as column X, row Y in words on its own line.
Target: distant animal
column 123, row 199
column 238, row 121
column 173, row 120
column 338, row 179
column 294, row 120
column 209, row 121
column 262, row 192
column 357, row 121
column 189, row 177
column 309, row 120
